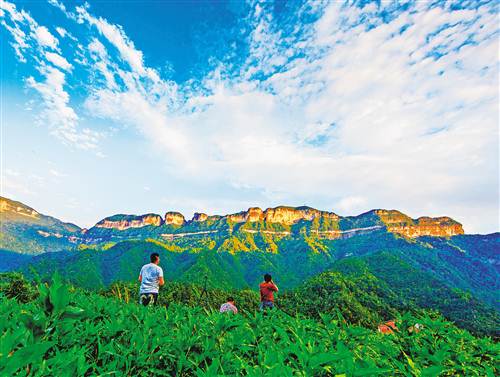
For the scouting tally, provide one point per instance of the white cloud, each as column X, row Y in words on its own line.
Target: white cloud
column 352, row 109
column 351, row 204
column 58, row 4
column 116, row 36
column 362, row 119
column 58, row 61
column 58, row 114
column 45, row 38
column 12, row 188
column 13, row 184
column 65, row 34
column 31, row 37
column 12, row 24
column 61, row 31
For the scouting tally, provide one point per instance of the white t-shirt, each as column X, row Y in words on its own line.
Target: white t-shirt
column 228, row 307
column 151, row 274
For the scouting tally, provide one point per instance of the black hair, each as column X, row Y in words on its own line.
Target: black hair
column 230, row 299
column 268, row 278
column 154, row 257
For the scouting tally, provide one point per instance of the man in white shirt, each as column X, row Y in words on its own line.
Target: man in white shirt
column 151, row 278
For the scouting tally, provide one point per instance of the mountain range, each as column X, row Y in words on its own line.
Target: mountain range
column 425, row 262
column 26, row 231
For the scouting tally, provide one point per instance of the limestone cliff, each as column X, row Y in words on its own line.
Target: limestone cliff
column 174, row 218
column 200, row 217
column 280, row 215
column 322, row 223
column 291, row 215
column 122, row 222
column 252, row 215
column 397, row 222
column 13, row 210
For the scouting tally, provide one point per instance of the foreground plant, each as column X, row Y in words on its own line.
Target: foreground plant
column 76, row 333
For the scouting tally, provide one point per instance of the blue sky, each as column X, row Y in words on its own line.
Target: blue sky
column 139, row 107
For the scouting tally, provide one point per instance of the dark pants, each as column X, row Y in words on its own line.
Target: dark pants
column 148, row 299
column 264, row 304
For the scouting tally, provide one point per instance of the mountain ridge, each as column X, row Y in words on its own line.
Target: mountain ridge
column 394, row 220
column 27, row 231
column 324, row 223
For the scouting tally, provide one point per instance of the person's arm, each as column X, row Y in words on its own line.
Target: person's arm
column 274, row 287
column 161, row 281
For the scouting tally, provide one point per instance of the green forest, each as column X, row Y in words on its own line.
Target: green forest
column 371, row 278
column 55, row 328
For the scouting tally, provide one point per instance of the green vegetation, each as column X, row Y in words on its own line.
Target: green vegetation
column 402, row 271
column 409, row 288
column 69, row 332
column 362, row 300
column 187, row 294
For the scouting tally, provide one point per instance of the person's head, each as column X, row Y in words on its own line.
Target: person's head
column 267, row 278
column 230, row 300
column 155, row 258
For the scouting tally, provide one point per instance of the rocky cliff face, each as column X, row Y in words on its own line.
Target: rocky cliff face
column 12, row 210
column 200, row 217
column 174, row 218
column 253, row 214
column 393, row 221
column 280, row 215
column 122, row 222
column 290, row 215
column 397, row 222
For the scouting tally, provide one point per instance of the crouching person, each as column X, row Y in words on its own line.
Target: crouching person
column 229, row 306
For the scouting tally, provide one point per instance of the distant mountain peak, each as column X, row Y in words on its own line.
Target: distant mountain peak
column 174, row 218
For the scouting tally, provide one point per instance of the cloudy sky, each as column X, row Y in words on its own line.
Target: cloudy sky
column 149, row 106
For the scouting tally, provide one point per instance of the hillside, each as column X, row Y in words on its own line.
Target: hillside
column 404, row 281
column 11, row 261
column 24, row 230
column 293, row 259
